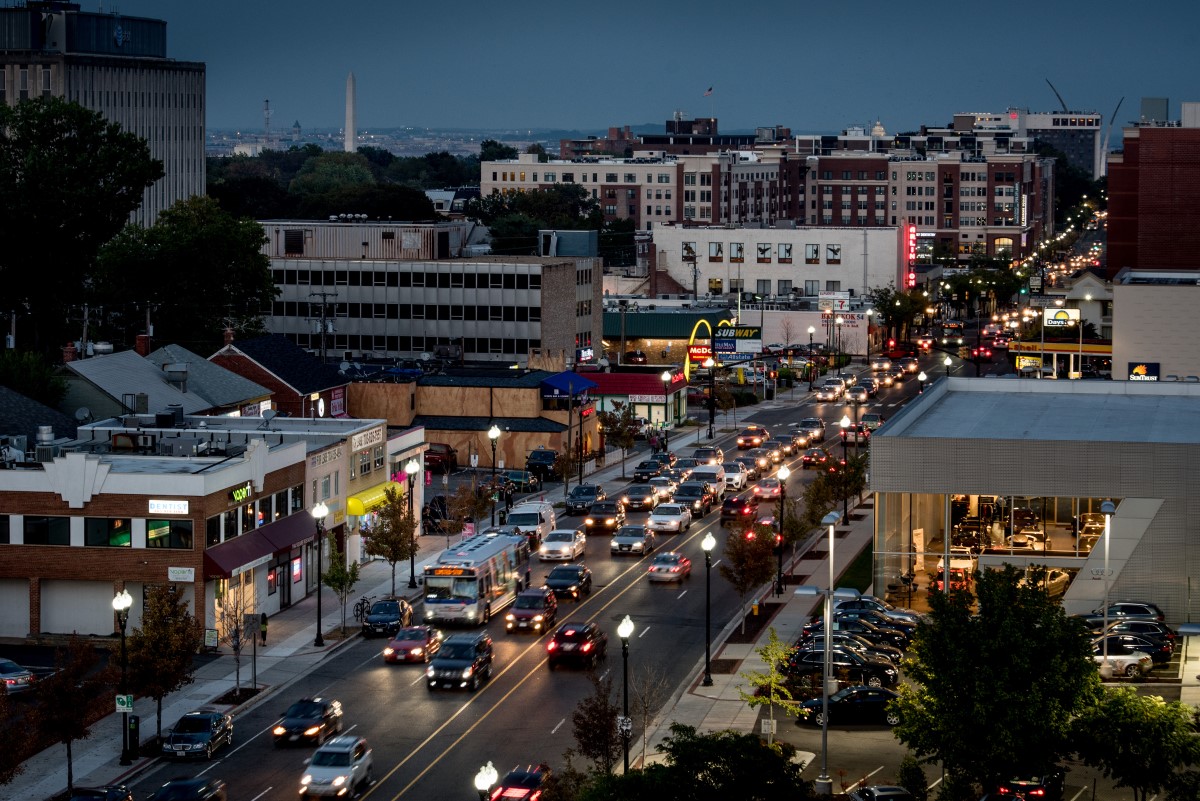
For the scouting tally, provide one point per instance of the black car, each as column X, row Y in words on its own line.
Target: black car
column 848, row 666
column 739, row 510
column 604, row 515
column 198, row 734
column 1047, row 786
column 309, row 720
column 582, row 496
column 464, row 661
column 852, row 705
column 696, row 496
column 198, row 789
column 522, row 785
column 387, row 617
column 1158, row 650
column 877, row 618
column 665, row 458
column 570, row 581
column 753, row 471
column 541, row 462
column 864, row 629
column 855, row 642
column 111, row 792
column 646, row 470
column 1146, row 628
column 582, row 644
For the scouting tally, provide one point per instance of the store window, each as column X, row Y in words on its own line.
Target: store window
column 281, row 505
column 212, row 531
column 266, row 505
column 272, row 581
column 297, row 498
column 249, row 522
column 105, row 532
column 4, row 523
column 379, row 457
column 45, row 530
column 364, row 464
column 297, row 570
column 231, row 524
column 169, row 534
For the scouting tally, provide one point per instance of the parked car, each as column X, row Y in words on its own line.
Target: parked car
column 344, row 763
column 582, row 644
column 632, row 540
column 670, row 566
column 386, row 617
column 1158, row 650
column 874, row 616
column 198, row 734
column 1124, row 661
column 110, row 792
column 582, row 496
column 881, row 606
column 853, row 705
column 606, row 515
column 197, row 789
column 523, row 480
column 309, row 720
column 863, row 628
column 441, row 458
column 413, row 644
column 1046, row 786
column 563, row 543
column 646, row 470
column 535, row 609
column 1148, row 628
column 854, row 642
column 541, row 462
column 16, row 678
column 848, row 666
column 1132, row 610
column 570, row 581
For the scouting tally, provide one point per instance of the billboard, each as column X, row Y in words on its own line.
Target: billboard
column 1060, row 318
column 738, row 339
column 1143, row 371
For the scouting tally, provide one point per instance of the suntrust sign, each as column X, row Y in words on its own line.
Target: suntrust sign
column 1143, row 371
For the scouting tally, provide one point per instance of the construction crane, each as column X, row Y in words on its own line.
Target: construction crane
column 1060, row 97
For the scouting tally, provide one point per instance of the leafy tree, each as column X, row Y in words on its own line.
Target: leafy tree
column 770, row 687
column 896, row 310
column 620, row 427
column 69, row 180
column 594, row 725
column 330, row 171
column 1019, row 669
column 749, row 561
column 340, row 577
column 160, row 652
column 617, row 246
column 394, row 537
column 233, row 607
column 14, row 736
column 68, row 698
column 727, row 764
column 491, row 150
column 1140, row 741
column 911, row 776
column 536, row 148
column 514, row 235
column 377, row 201
column 29, row 373
column 259, row 197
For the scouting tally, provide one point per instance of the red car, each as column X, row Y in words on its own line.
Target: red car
column 413, row 644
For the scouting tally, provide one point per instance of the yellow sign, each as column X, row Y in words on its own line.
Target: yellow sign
column 687, row 363
column 449, row 571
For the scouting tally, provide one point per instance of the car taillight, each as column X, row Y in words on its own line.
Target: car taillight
column 746, row 510
column 587, row 646
column 550, row 646
column 1036, row 791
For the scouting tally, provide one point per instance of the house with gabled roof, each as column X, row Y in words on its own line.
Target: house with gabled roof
column 227, row 391
column 301, row 385
column 120, row 383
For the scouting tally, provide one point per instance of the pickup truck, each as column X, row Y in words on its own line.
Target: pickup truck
column 441, row 458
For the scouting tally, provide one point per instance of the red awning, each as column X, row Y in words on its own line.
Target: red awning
column 292, row 530
column 222, row 560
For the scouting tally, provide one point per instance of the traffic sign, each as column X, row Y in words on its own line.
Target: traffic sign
column 624, row 725
column 124, row 703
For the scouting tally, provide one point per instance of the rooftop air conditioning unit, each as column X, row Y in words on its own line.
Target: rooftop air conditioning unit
column 47, row 453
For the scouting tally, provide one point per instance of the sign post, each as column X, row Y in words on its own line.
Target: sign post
column 125, row 703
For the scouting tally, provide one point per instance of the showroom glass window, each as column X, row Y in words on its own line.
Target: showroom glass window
column 107, row 532
column 169, row 534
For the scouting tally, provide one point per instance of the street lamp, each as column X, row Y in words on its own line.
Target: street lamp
column 922, row 378
column 845, row 424
column 494, row 434
column 712, row 394
column 947, row 362
column 484, row 779
column 625, row 725
column 1108, row 509
column 782, row 474
column 319, row 513
column 812, row 365
column 411, row 469
column 666, row 379
column 707, row 544
column 121, row 603
column 839, row 322
column 823, row 784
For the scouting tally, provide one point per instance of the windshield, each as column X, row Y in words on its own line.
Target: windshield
column 459, row 650
column 666, row 559
column 386, row 608
column 530, row 519
column 529, row 602
column 560, row 536
column 583, row 492
column 446, row 588
column 410, row 634
column 8, row 666
column 564, row 573
column 666, row 511
column 192, row 726
column 331, row 759
column 304, row 709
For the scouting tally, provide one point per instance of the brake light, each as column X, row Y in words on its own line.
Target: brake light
column 1037, row 791
column 496, row 793
column 550, row 646
column 587, row 646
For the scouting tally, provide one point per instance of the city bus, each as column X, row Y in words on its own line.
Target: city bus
column 475, row 579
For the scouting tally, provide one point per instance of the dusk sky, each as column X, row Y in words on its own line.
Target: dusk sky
column 809, row 66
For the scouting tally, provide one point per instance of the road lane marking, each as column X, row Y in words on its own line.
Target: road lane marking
column 863, row 780
column 418, row 680
column 680, row 595
column 643, row 634
column 370, row 658
column 260, row 795
column 559, row 726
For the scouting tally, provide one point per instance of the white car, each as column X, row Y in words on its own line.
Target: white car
column 673, row 517
column 1132, row 663
column 736, row 475
column 632, row 539
column 961, row 558
column 562, row 544
column 341, row 767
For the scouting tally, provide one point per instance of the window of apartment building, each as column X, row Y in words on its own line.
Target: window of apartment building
column 705, row 179
column 845, row 204
column 47, row 530
column 716, row 286
column 812, row 254
column 169, row 534
column 212, row 531
column 664, row 177
column 550, row 177
column 45, row 81
column 649, row 211
column 833, row 286
column 737, row 252
column 784, row 253
column 631, row 178
column 812, row 288
column 107, row 532
column 736, row 285
column 23, row 84
column 833, row 254
column 568, row 177
column 716, row 251
column 689, row 179
column 785, row 286
column 763, row 287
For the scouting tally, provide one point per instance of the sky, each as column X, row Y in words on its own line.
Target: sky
column 810, row 66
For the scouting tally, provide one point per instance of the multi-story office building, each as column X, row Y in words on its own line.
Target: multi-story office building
column 118, row 66
column 394, row 289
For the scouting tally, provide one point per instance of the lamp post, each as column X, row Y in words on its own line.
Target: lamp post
column 494, row 434
column 845, row 424
column 947, row 362
column 1108, row 509
column 839, row 322
column 711, row 365
column 121, row 603
column 707, row 544
column 666, row 379
column 812, row 364
column 922, row 378
column 867, row 357
column 1088, row 298
column 625, row 725
column 319, row 513
column 484, row 779
column 782, row 474
column 410, row 470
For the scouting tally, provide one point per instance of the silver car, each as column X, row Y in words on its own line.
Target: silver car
column 563, row 543
column 16, row 678
column 673, row 517
column 632, row 540
column 829, row 392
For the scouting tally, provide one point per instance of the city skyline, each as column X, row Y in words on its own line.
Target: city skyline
column 807, row 69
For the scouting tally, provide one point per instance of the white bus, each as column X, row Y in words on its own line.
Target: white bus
column 475, row 579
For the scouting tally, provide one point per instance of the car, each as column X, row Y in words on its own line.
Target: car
column 664, row 488
column 887, row 378
column 1053, row 581
column 198, row 734
column 848, row 666
column 960, row 557
column 736, row 475
column 639, row 497
column 535, row 609
column 705, row 456
column 581, row 644
column 898, row 375
column 676, row 475
column 521, row 785
column 1089, row 525
column 670, row 517
column 582, row 496
column 881, row 792
column 739, row 510
column 767, row 488
column 464, row 662
column 687, row 464
column 858, row 394
column 413, row 644
column 341, row 767
column 1048, row 785
column 815, row 458
column 563, row 543
column 863, row 628
column 828, row 392
column 815, row 427
column 541, row 462
column 665, row 458
column 309, row 720
column 635, row 357
column 881, row 606
column 387, row 617
column 751, row 437
column 853, row 705
column 909, row 364
column 858, row 433
column 523, row 480
column 670, row 566
column 778, row 449
column 1159, row 651
column 441, row 458
column 570, row 581
column 646, row 470
column 1147, row 628
column 197, row 789
column 877, row 618
column 751, row 464
column 799, row 439
column 606, row 515
column 632, row 539
column 16, row 678
column 872, row 420
column 880, row 363
column 775, row 348
column 696, row 496
column 1132, row 610
column 109, row 792
column 854, row 642
column 870, row 385
column 959, row 580
column 762, row 459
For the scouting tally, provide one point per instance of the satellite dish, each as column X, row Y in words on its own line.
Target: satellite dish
column 344, row 366
column 269, row 414
column 83, row 414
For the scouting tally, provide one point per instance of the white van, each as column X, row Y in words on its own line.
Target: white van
column 713, row 474
column 533, row 517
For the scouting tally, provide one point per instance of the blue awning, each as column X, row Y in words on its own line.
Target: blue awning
column 563, row 384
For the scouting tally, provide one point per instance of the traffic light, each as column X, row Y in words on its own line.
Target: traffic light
column 891, row 343
column 1024, row 290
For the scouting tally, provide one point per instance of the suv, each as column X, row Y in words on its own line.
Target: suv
column 712, row 455
column 582, row 497
column 441, row 458
column 344, row 763
column 534, row 610
column 604, row 515
column 815, row 427
column 464, row 660
column 199, row 734
column 580, row 643
column 309, row 719
column 646, row 470
column 540, row 462
column 387, row 617
column 696, row 496
column 848, row 666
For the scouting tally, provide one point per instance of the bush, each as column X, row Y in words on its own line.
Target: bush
column 742, row 398
column 911, row 777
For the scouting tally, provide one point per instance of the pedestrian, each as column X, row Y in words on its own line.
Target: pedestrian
column 262, row 627
column 666, row 440
column 508, row 495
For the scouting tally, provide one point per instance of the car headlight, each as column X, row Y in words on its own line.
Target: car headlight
column 279, row 730
column 339, row 781
column 466, row 674
column 311, row 730
column 537, row 618
column 572, row 588
column 587, row 521
column 510, row 616
column 389, row 651
column 417, row 651
column 429, row 671
column 306, row 779
column 610, row 521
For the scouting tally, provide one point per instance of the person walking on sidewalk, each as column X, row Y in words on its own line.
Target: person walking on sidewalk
column 262, row 627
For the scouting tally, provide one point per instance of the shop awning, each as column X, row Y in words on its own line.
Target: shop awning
column 249, row 550
column 358, row 505
column 566, row 383
column 292, row 530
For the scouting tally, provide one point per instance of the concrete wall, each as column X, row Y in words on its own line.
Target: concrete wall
column 1156, row 324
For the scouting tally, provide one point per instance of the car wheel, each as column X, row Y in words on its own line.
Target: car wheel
column 874, row 681
column 892, row 719
column 208, row 752
column 369, row 779
column 487, row 614
column 474, row 683
column 819, row 719
column 1132, row 670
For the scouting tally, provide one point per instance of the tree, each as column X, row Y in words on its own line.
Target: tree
column 911, row 777
column 234, row 606
column 14, row 736
column 896, row 310
column 536, row 148
column 1019, row 669
column 394, row 537
column 727, row 764
column 789, row 328
column 259, row 197
column 377, row 201
column 770, row 687
column 594, row 725
column 491, row 150
column 649, row 689
column 161, row 650
column 69, row 179
column 29, row 373
column 749, row 561
column 330, row 171
column 620, row 428
column 1140, row 741
column 340, row 577
column 69, row 699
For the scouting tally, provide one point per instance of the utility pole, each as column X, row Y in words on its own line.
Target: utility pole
column 326, row 326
